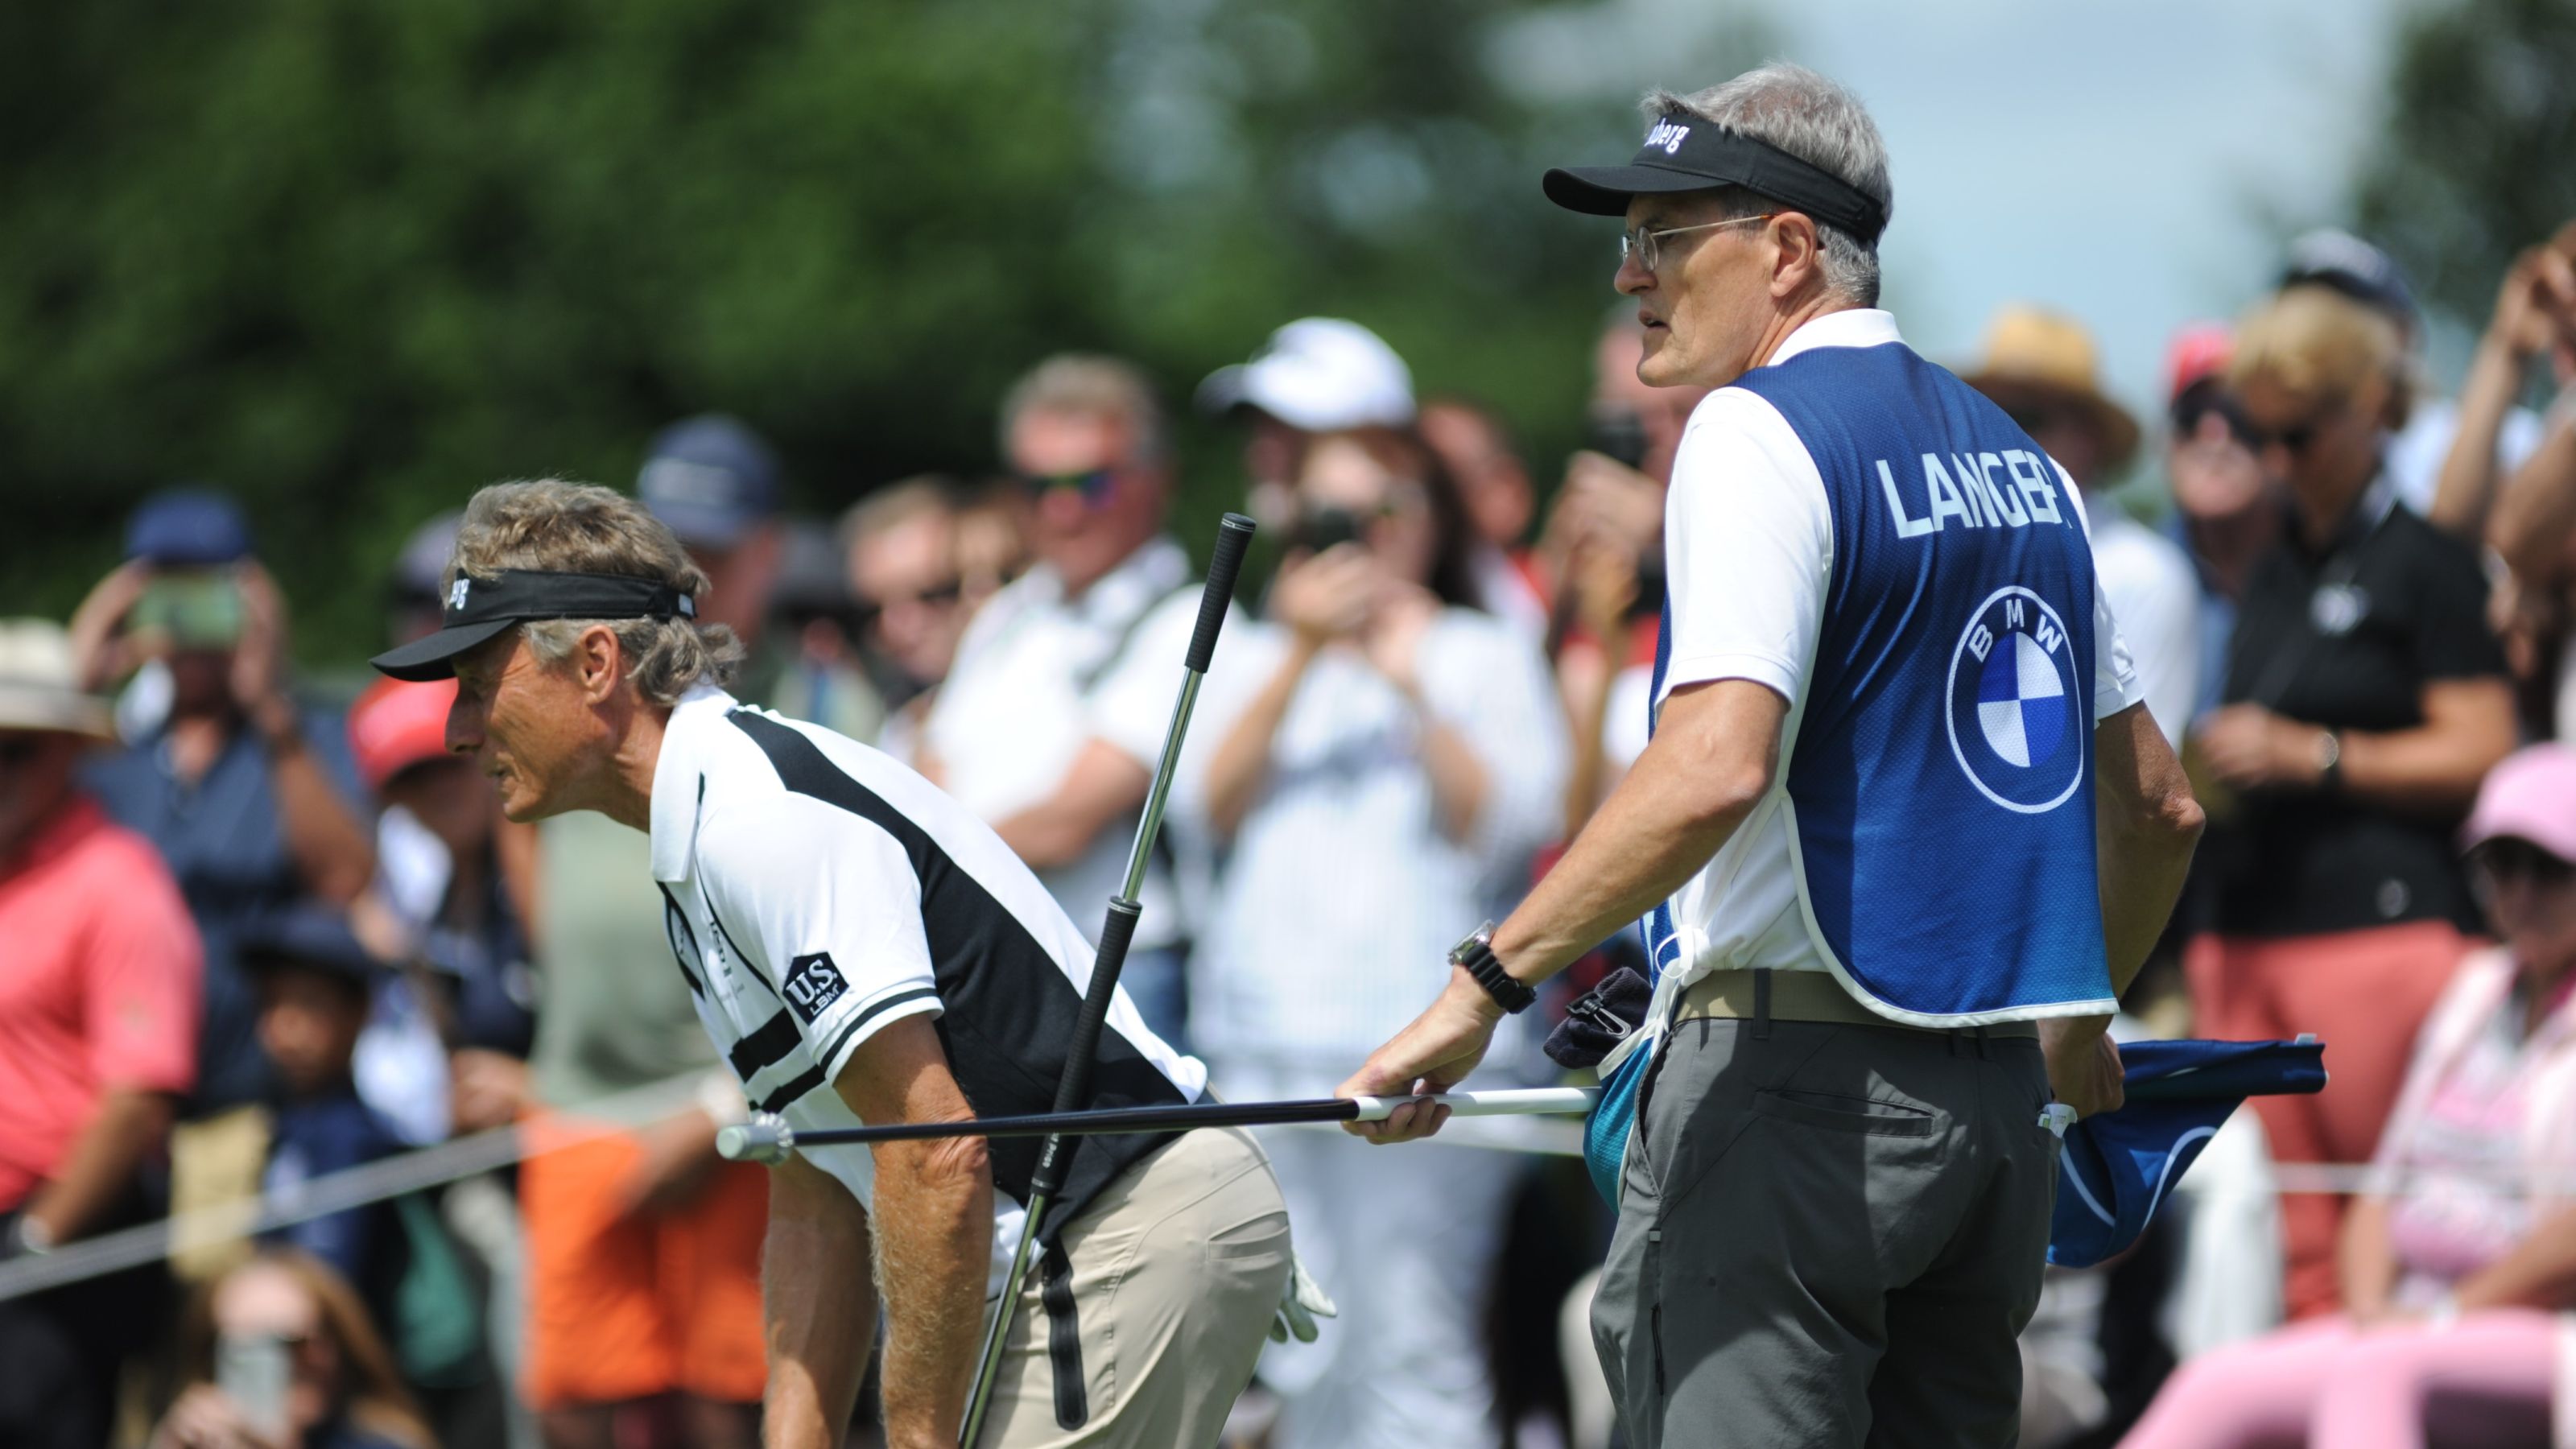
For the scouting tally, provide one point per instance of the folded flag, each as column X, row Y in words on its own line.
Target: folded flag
column 2117, row 1167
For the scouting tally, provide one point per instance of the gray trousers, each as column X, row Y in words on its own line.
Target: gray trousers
column 1828, row 1235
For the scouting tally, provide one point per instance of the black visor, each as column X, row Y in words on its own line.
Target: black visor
column 477, row 610
column 1686, row 153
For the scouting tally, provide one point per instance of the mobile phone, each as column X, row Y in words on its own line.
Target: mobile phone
column 195, row 608
column 1619, row 434
column 253, row 1370
column 1320, row 528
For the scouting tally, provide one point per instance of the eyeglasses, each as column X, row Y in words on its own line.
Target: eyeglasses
column 2507, row 860
column 1093, row 484
column 1647, row 246
column 938, row 596
column 18, row 749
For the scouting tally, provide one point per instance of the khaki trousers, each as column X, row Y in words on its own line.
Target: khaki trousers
column 1175, row 1272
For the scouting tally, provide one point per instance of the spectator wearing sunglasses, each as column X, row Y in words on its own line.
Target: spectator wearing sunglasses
column 2365, row 700
column 2453, row 1263
column 2227, row 514
column 899, row 547
column 1051, row 721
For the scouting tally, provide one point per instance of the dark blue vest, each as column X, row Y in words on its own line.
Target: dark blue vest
column 1940, row 778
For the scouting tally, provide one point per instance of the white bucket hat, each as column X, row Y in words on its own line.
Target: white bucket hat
column 38, row 690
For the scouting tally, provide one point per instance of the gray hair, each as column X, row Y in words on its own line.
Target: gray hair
column 1090, row 386
column 583, row 528
column 1820, row 123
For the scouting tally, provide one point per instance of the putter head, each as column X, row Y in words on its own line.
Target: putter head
column 765, row 1139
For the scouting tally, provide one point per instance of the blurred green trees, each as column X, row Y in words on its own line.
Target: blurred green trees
column 2478, row 158
column 351, row 260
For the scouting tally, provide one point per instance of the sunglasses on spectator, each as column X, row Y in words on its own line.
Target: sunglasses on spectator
column 2509, row 860
column 2188, row 414
column 18, row 749
column 939, row 595
column 1093, row 484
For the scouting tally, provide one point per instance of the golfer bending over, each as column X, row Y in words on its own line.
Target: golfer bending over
column 1902, row 824
column 864, row 951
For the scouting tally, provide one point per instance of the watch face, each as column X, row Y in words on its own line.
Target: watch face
column 1468, row 943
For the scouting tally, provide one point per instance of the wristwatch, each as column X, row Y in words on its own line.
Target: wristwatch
column 27, row 1238
column 2329, row 760
column 1475, row 956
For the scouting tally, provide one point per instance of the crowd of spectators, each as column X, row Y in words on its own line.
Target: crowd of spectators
column 259, row 937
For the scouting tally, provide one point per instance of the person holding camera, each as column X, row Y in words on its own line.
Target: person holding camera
column 1396, row 770
column 250, row 796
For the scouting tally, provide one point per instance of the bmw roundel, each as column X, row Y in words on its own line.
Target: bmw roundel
column 2017, row 703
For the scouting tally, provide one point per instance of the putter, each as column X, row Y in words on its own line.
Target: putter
column 767, row 1138
column 1233, row 535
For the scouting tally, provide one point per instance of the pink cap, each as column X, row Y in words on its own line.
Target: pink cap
column 2199, row 350
column 397, row 724
column 2530, row 796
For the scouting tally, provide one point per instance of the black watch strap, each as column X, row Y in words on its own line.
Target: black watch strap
column 1475, row 956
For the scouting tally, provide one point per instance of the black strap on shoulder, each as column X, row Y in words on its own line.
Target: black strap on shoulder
column 1118, row 647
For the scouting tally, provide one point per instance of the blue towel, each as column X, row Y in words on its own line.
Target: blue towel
column 2117, row 1167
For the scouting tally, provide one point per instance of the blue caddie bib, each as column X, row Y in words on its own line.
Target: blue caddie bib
column 1938, row 780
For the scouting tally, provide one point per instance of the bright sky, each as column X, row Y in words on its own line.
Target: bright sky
column 2133, row 163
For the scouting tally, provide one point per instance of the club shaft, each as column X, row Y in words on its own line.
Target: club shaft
column 1216, row 596
column 1184, row 1117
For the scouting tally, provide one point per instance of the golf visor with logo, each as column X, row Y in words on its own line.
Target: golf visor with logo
column 1683, row 152
column 477, row 610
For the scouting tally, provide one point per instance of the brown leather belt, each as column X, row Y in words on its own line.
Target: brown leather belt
column 1804, row 996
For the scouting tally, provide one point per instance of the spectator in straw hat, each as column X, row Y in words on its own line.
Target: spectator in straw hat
column 2040, row 367
column 98, row 1024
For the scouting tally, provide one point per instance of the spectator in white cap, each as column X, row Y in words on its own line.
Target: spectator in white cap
column 1315, row 375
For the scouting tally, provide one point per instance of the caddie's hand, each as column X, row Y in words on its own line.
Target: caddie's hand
column 1299, row 1307
column 1432, row 1055
column 2084, row 1069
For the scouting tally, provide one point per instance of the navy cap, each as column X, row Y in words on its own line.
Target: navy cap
column 420, row 570
column 2338, row 259
column 711, row 479
column 187, row 527
column 310, row 935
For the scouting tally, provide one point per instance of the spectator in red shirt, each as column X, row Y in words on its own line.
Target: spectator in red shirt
column 98, row 1021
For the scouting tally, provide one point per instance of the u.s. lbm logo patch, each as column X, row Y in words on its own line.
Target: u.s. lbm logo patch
column 2017, row 704
column 813, row 983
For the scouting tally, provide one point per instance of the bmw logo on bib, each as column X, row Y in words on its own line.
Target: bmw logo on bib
column 2016, row 703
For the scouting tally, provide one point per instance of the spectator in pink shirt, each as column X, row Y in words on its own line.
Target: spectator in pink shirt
column 98, row 1022
column 2458, row 1266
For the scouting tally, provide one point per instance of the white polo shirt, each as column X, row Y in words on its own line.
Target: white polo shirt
column 1749, row 549
column 815, row 891
column 1039, row 675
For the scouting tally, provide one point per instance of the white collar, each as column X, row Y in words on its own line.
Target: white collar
column 1155, row 568
column 679, row 779
column 1851, row 327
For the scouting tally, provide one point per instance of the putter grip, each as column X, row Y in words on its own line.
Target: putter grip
column 1233, row 536
column 1055, row 1156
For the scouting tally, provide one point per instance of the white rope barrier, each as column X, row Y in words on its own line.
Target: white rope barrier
column 337, row 1192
